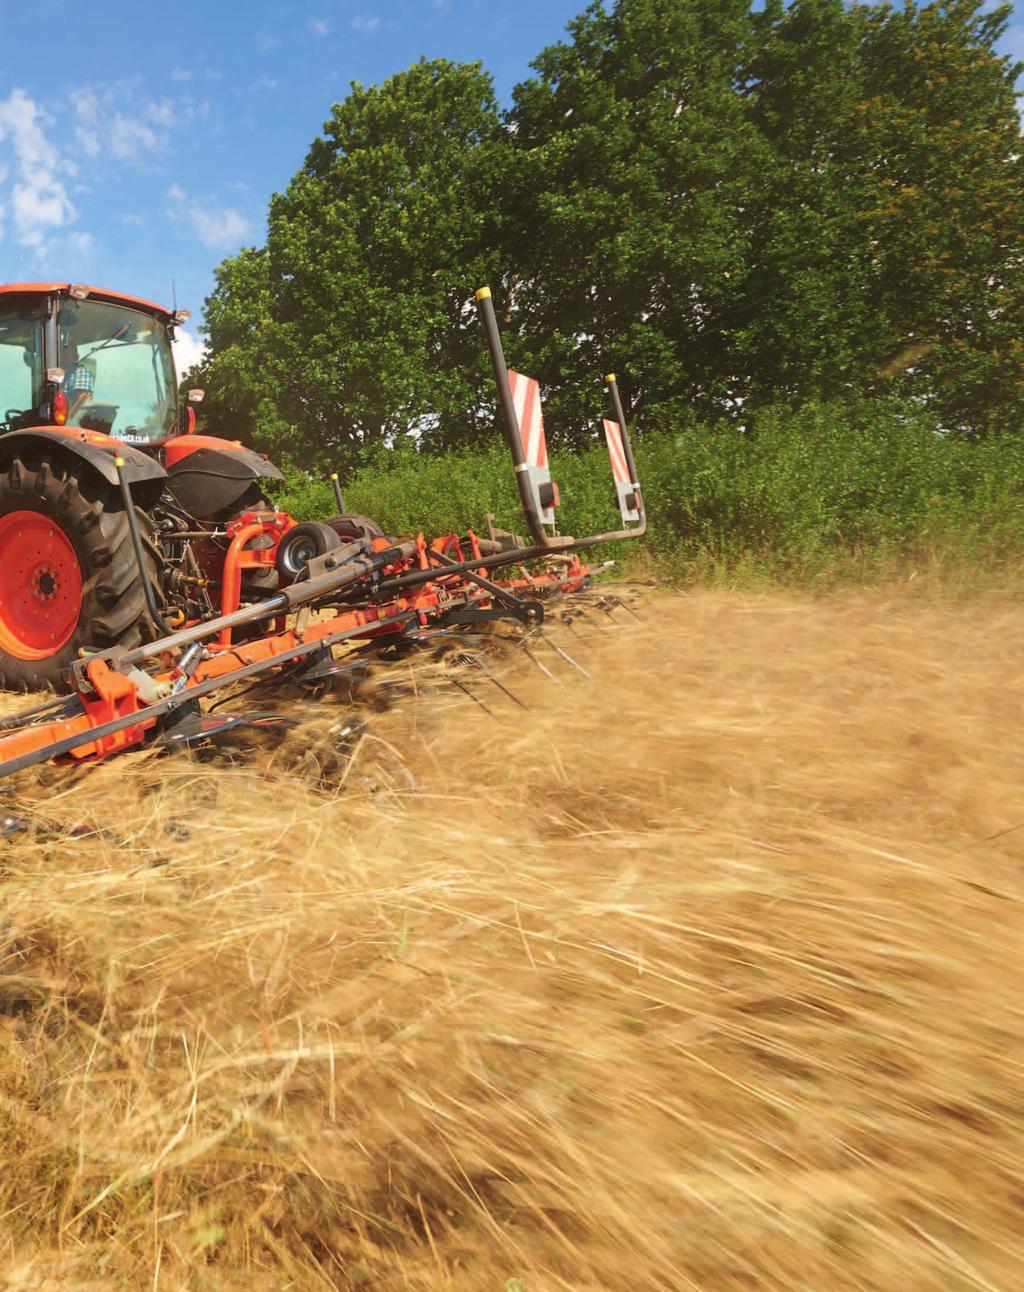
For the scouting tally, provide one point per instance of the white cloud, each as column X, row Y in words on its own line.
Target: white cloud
column 80, row 243
column 104, row 130
column 188, row 351
column 38, row 201
column 219, row 226
column 104, row 127
column 163, row 113
column 215, row 226
column 319, row 26
column 365, row 22
column 180, row 74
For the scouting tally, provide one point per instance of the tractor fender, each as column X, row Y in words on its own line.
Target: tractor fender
column 145, row 476
column 209, row 476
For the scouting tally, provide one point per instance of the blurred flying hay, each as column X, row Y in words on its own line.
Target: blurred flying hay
column 703, row 972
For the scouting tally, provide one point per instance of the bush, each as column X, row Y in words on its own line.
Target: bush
column 793, row 494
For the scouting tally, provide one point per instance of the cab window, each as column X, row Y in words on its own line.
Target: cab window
column 119, row 373
column 21, row 364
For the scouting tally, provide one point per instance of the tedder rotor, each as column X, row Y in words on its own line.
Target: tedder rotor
column 143, row 566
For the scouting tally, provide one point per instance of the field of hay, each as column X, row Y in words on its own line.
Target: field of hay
column 704, row 973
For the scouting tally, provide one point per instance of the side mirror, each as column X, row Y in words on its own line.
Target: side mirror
column 55, row 375
column 196, row 396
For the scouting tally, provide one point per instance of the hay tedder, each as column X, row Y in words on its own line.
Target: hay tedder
column 143, row 566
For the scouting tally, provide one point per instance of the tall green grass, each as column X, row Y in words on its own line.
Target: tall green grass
column 828, row 492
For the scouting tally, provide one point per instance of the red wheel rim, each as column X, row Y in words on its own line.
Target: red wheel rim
column 40, row 585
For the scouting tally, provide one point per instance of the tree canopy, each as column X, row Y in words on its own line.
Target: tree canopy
column 730, row 208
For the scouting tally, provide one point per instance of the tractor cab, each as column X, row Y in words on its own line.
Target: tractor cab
column 79, row 357
column 92, row 373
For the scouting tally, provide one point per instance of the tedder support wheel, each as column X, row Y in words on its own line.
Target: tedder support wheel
column 68, row 574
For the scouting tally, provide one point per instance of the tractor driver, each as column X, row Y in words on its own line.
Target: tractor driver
column 79, row 381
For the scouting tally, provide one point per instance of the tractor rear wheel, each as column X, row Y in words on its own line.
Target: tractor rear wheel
column 68, row 574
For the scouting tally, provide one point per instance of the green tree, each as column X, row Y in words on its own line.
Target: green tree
column 244, row 370
column 636, row 162
column 886, row 235
column 800, row 203
column 730, row 209
column 372, row 254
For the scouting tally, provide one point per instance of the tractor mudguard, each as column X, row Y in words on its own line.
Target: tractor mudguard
column 208, row 475
column 145, row 476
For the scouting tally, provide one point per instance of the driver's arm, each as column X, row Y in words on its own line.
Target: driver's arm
column 81, row 398
column 81, row 382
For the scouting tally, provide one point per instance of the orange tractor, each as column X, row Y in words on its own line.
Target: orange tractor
column 143, row 566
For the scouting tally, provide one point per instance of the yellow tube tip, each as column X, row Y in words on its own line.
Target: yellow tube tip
column 119, row 462
column 334, row 475
column 610, row 377
column 483, row 293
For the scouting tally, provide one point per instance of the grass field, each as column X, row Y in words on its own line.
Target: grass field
column 702, row 974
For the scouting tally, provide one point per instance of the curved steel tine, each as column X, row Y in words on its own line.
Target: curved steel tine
column 478, row 663
column 543, row 667
column 567, row 657
column 628, row 609
column 475, row 698
column 603, row 605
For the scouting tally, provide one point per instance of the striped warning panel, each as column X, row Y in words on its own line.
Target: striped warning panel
column 613, row 434
column 526, row 397
column 625, row 489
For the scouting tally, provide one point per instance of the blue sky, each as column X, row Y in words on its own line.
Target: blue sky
column 141, row 142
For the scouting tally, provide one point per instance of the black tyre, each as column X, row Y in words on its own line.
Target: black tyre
column 68, row 574
column 352, row 527
column 300, row 546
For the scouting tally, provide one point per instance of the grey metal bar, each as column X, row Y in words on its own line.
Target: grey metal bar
column 339, row 497
column 172, row 702
column 294, row 595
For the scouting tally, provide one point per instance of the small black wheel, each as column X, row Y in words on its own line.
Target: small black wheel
column 301, row 545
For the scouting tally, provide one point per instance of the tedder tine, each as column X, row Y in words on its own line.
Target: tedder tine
column 543, row 667
column 62, row 707
column 475, row 698
column 628, row 608
column 566, row 656
column 478, row 663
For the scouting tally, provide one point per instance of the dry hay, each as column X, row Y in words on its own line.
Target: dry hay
column 702, row 974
